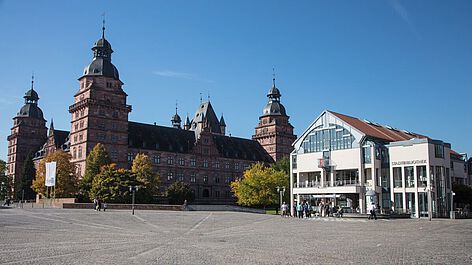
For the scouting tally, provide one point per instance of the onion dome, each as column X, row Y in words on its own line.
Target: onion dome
column 31, row 109
column 101, row 64
column 274, row 107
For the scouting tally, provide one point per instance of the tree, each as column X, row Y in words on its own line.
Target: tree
column 112, row 184
column 4, row 181
column 463, row 194
column 282, row 165
column 258, row 186
column 28, row 174
column 66, row 178
column 178, row 192
column 96, row 159
column 142, row 168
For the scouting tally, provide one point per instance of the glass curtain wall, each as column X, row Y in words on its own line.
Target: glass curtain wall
column 334, row 137
column 409, row 177
column 397, row 177
column 421, row 176
column 399, row 202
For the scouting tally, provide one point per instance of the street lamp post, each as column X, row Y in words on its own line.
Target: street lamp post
column 281, row 191
column 133, row 189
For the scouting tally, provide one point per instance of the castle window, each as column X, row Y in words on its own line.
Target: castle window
column 236, row 166
column 74, row 153
column 157, row 159
column 227, row 165
column 80, row 152
column 205, row 179
column 82, row 112
column 193, row 162
column 115, row 114
column 114, row 155
column 109, row 85
column 81, row 124
column 205, row 163
column 180, row 176
column 181, row 162
column 217, row 179
column 130, row 157
column 193, row 177
column 80, row 137
column 170, row 160
column 76, row 126
column 170, row 176
column 217, row 164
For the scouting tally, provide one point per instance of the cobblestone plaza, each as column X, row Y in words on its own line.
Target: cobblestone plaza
column 62, row 236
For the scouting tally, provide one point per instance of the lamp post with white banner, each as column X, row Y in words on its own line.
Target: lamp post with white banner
column 51, row 177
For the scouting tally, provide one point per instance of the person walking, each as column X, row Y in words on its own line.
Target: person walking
column 284, row 209
column 299, row 210
column 105, row 206
column 95, row 204
column 372, row 209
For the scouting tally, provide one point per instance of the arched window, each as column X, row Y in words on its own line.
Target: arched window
column 335, row 137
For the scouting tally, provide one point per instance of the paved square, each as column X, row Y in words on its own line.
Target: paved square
column 66, row 236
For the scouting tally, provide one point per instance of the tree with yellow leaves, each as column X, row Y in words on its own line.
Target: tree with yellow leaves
column 66, row 178
column 258, row 186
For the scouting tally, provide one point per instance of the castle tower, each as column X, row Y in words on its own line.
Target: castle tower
column 274, row 132
column 27, row 135
column 176, row 120
column 99, row 113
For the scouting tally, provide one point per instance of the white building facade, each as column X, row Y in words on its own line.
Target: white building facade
column 353, row 163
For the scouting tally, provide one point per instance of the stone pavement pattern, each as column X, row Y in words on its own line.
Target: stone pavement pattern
column 62, row 236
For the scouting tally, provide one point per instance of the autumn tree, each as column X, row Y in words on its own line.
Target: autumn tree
column 4, row 181
column 142, row 168
column 178, row 192
column 66, row 178
column 258, row 185
column 96, row 159
column 112, row 184
column 28, row 174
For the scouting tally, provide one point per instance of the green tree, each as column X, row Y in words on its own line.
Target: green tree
column 463, row 194
column 112, row 184
column 96, row 159
column 258, row 186
column 282, row 165
column 178, row 192
column 142, row 168
column 66, row 178
column 28, row 175
column 4, row 181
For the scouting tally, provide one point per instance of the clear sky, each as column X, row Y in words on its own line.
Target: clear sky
column 407, row 64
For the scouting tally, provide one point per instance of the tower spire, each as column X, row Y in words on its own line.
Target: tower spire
column 32, row 80
column 103, row 26
column 273, row 76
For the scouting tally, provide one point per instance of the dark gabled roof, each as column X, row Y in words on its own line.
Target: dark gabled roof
column 206, row 113
column 60, row 137
column 239, row 148
column 160, row 138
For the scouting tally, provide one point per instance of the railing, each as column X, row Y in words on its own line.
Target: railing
column 317, row 184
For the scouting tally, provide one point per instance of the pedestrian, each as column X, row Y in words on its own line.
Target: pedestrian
column 299, row 210
column 95, row 204
column 372, row 209
column 99, row 204
column 184, row 206
column 284, row 209
column 327, row 210
column 105, row 206
column 7, row 202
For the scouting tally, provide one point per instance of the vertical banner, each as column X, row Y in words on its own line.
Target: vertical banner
column 50, row 174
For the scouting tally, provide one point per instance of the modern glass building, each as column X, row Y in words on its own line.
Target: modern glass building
column 353, row 163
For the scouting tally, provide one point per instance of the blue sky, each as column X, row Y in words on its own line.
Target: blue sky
column 407, row 64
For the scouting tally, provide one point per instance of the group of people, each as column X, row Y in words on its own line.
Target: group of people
column 304, row 210
column 97, row 205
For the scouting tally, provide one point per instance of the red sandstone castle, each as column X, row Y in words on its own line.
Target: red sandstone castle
column 199, row 152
